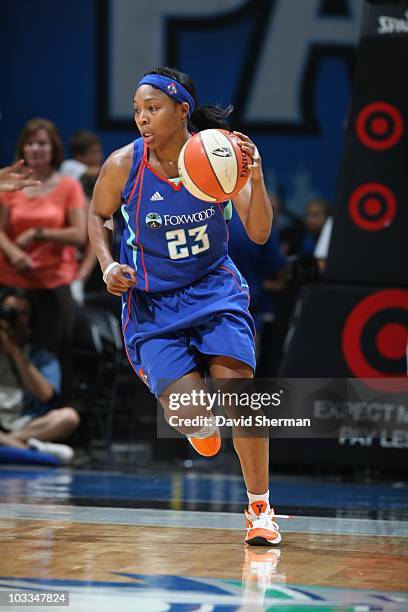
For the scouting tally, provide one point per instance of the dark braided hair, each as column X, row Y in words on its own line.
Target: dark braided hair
column 203, row 117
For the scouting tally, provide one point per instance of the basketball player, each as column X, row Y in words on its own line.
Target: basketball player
column 184, row 301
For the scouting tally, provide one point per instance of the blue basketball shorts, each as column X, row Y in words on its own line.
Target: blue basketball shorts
column 165, row 332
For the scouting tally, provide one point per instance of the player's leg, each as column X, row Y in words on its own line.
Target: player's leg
column 203, row 435
column 169, row 367
column 253, row 453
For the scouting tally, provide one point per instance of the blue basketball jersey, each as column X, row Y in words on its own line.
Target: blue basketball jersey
column 170, row 238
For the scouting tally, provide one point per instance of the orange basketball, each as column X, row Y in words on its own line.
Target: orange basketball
column 213, row 166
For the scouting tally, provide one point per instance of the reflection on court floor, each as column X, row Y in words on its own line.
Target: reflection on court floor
column 144, row 558
column 193, row 490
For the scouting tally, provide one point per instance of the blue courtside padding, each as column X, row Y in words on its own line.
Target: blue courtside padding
column 22, row 455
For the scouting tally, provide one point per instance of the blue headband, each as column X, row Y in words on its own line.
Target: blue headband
column 172, row 88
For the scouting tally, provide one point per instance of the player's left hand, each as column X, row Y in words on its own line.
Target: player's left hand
column 249, row 147
column 26, row 238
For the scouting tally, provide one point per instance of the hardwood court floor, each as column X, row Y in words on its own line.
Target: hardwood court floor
column 68, row 554
column 88, row 551
column 100, row 536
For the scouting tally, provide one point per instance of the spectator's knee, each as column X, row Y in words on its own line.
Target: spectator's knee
column 70, row 418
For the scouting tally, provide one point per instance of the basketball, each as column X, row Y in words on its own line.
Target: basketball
column 213, row 166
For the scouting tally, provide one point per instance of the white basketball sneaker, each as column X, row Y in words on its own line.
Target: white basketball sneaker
column 262, row 530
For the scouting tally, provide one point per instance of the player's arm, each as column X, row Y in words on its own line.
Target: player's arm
column 252, row 203
column 105, row 201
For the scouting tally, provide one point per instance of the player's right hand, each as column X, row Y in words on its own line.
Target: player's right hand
column 120, row 279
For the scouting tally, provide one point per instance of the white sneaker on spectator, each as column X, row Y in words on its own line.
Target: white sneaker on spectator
column 63, row 452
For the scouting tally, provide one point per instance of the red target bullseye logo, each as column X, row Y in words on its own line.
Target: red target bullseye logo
column 379, row 126
column 391, row 338
column 372, row 206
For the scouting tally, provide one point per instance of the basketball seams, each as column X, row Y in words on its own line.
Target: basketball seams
column 215, row 167
column 186, row 175
column 209, row 157
column 212, row 167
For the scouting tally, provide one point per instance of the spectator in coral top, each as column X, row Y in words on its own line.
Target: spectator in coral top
column 40, row 230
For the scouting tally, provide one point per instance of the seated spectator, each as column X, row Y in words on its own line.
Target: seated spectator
column 40, row 229
column 316, row 214
column 30, row 380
